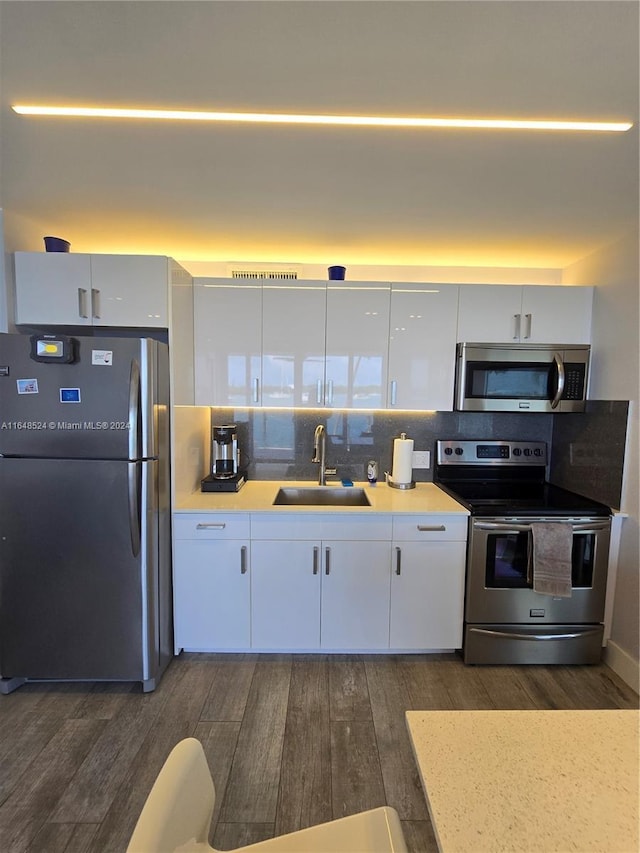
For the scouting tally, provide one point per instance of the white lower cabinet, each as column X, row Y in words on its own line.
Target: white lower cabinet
column 309, row 591
column 355, row 595
column 285, row 595
column 427, row 582
column 294, row 582
column 211, row 582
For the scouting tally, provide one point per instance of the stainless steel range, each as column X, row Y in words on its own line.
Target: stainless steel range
column 503, row 484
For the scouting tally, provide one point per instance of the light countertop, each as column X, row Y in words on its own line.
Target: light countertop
column 258, row 496
column 539, row 781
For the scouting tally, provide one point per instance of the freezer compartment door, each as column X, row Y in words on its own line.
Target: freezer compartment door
column 78, row 569
column 104, row 405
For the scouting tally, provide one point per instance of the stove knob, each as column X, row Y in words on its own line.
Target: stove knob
column 459, row 451
column 527, row 451
column 517, row 451
column 448, row 451
column 537, row 452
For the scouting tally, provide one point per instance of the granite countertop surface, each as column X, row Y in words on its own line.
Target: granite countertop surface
column 539, row 781
column 258, row 496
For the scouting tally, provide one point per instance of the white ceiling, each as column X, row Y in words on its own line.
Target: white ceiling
column 324, row 195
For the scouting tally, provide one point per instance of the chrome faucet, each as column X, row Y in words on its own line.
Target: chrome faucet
column 319, row 454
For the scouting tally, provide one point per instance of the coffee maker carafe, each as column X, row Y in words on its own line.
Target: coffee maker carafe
column 224, row 452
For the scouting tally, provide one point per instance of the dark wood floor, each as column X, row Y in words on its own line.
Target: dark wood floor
column 292, row 740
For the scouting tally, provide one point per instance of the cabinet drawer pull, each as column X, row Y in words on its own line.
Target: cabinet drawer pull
column 327, row 561
column 431, row 528
column 219, row 525
column 316, row 551
column 82, row 303
column 95, row 303
column 398, row 560
column 243, row 560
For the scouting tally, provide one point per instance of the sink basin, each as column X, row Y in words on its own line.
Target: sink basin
column 321, row 496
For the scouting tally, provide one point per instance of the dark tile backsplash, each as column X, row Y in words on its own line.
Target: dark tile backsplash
column 587, row 450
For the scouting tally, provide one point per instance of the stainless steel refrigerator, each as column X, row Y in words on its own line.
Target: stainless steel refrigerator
column 85, row 542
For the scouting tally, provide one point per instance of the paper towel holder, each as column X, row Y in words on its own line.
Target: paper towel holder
column 389, row 482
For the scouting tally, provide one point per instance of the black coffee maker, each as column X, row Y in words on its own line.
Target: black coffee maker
column 225, row 475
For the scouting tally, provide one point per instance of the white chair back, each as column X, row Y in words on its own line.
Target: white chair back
column 179, row 808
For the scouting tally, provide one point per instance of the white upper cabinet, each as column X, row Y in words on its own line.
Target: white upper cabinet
column 528, row 314
column 422, row 346
column 58, row 288
column 228, row 342
column 557, row 315
column 357, row 343
column 293, row 343
column 54, row 288
column 130, row 290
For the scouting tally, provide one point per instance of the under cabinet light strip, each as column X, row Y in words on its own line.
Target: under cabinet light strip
column 285, row 118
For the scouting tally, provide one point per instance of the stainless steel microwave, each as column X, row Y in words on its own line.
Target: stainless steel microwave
column 521, row 377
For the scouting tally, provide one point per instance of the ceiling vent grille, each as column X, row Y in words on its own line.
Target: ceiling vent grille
column 264, row 274
column 255, row 272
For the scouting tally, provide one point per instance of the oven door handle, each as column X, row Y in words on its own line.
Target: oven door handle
column 573, row 635
column 589, row 527
column 560, row 383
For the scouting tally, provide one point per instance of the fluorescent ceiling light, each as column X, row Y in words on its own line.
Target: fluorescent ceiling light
column 302, row 118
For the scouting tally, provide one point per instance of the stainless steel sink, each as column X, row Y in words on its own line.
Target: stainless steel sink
column 321, row 496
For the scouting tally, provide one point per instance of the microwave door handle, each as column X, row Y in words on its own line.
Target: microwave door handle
column 561, row 377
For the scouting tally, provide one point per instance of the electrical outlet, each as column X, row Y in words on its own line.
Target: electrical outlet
column 421, row 459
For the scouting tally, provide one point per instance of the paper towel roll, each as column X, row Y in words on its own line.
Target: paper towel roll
column 402, row 460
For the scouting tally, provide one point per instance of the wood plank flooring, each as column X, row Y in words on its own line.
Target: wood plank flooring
column 292, row 740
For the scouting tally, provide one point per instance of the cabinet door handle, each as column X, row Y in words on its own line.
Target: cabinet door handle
column 95, row 303
column 527, row 333
column 82, row 303
column 431, row 528
column 319, row 392
column 330, row 392
column 220, row 525
column 327, row 561
column 256, row 390
column 316, row 552
column 243, row 560
column 398, row 560
column 394, row 392
column 516, row 326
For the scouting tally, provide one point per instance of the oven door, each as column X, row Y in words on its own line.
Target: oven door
column 499, row 578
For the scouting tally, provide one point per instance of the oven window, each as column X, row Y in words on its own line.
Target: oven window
column 508, row 564
column 504, row 381
column 507, row 560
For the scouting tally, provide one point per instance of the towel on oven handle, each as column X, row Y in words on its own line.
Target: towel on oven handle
column 551, row 557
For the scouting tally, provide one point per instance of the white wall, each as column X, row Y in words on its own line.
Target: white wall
column 4, row 307
column 455, row 275
column 17, row 234
column 616, row 376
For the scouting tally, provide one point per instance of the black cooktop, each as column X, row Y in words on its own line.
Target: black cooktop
column 506, row 478
column 526, row 499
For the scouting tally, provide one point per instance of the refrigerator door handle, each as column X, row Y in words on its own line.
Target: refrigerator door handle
column 134, row 483
column 134, row 412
